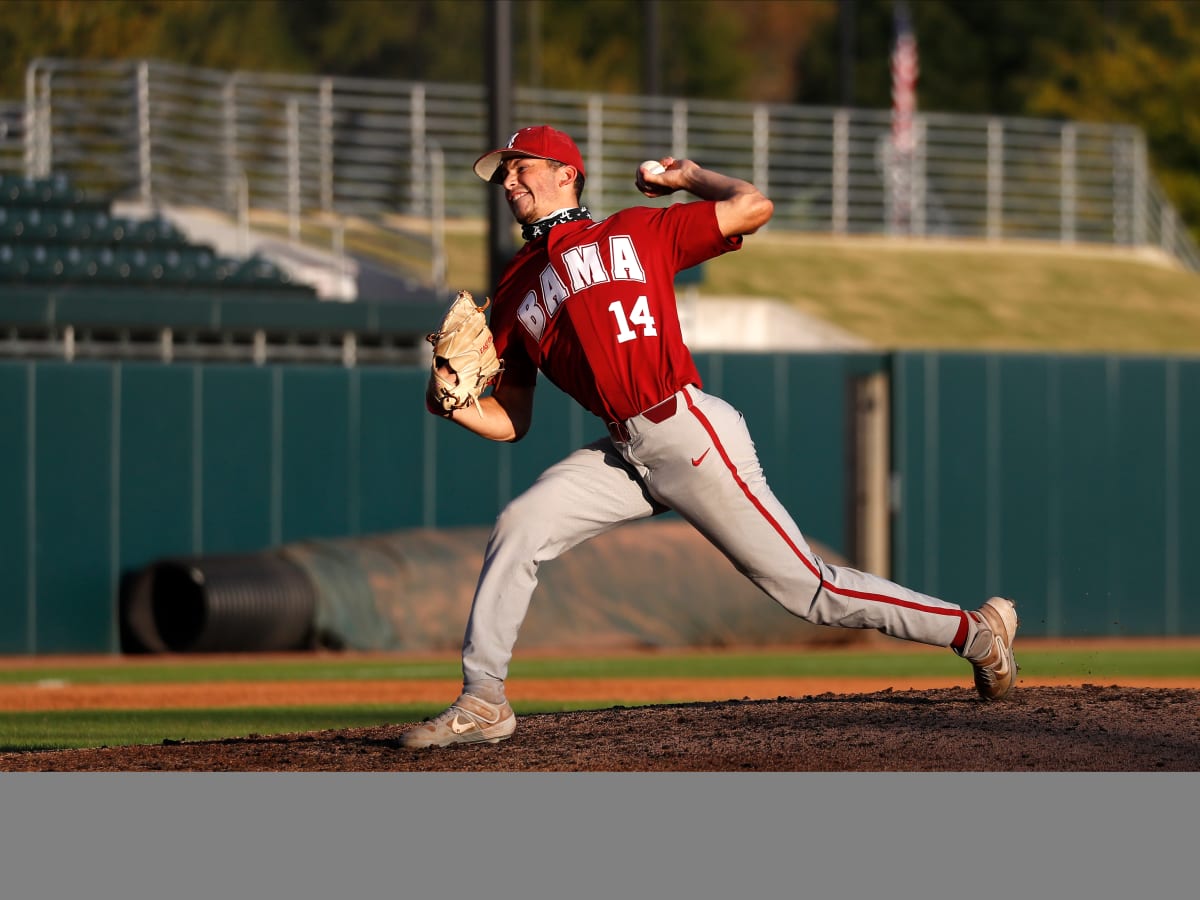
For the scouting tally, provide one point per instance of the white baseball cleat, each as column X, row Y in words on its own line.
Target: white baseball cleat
column 469, row 720
column 996, row 667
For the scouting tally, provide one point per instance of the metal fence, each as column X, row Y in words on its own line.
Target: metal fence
column 169, row 134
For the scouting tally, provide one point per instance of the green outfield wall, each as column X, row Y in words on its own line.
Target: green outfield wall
column 1063, row 481
column 1068, row 481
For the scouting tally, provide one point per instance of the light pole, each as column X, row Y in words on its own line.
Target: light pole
column 500, row 126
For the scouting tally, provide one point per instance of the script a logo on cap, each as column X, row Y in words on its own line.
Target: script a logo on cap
column 512, row 140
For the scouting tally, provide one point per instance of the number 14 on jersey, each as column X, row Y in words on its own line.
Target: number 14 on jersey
column 639, row 316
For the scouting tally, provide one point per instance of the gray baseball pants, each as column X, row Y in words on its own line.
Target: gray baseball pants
column 699, row 460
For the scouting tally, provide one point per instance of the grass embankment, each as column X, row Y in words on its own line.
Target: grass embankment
column 909, row 294
column 972, row 295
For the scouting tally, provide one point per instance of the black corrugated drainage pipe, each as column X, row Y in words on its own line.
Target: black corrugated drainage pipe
column 219, row 604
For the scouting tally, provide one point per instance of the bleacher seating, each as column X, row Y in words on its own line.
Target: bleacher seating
column 79, row 281
column 50, row 233
column 54, row 191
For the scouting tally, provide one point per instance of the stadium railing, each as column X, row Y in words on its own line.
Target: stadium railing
column 368, row 147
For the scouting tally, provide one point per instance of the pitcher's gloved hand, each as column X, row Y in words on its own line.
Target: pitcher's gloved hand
column 464, row 357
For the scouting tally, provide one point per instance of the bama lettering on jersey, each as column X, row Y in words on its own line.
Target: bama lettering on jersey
column 592, row 305
column 585, row 266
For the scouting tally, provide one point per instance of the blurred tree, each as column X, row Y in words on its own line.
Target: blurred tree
column 706, row 50
column 417, row 40
column 598, row 46
column 231, row 34
column 1103, row 60
column 1139, row 66
column 976, row 57
column 771, row 37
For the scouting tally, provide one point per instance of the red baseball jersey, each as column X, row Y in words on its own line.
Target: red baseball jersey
column 592, row 305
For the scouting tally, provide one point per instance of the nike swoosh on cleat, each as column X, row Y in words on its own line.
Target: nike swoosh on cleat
column 459, row 726
column 696, row 460
column 1002, row 666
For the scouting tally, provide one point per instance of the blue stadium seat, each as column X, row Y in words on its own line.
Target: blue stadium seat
column 78, row 266
column 257, row 271
column 40, row 224
column 13, row 264
column 75, row 225
column 157, row 232
column 45, row 264
column 16, row 189
column 111, row 266
column 50, row 233
column 54, row 190
column 12, row 225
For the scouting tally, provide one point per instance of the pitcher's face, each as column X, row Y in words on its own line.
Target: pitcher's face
column 534, row 188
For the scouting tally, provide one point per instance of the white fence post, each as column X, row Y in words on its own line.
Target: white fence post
column 32, row 122
column 38, row 126
column 145, row 183
column 1141, row 192
column 1122, row 204
column 233, row 175
column 679, row 129
column 45, row 160
column 437, row 223
column 919, row 196
column 417, row 131
column 595, row 154
column 293, row 168
column 1067, row 186
column 243, row 213
column 325, row 104
column 995, row 179
column 762, row 148
column 840, row 175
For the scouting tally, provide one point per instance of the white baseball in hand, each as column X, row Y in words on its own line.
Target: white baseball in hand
column 652, row 167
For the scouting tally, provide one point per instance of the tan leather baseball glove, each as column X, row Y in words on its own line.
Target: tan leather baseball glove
column 464, row 357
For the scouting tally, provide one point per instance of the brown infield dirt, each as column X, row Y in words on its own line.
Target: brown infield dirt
column 694, row 725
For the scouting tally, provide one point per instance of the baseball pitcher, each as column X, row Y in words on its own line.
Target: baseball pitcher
column 591, row 306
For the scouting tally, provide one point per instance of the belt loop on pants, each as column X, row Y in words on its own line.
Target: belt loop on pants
column 619, row 433
column 657, row 414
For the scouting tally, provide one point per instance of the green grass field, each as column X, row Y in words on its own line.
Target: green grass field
column 94, row 728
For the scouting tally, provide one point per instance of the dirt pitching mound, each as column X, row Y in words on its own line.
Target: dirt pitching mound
column 1038, row 729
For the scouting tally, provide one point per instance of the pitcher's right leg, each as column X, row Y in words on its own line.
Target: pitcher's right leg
column 590, row 492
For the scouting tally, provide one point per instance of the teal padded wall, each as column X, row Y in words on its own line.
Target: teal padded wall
column 158, row 454
column 390, row 449
column 16, row 508
column 234, row 481
column 1062, row 481
column 106, row 467
column 316, row 443
column 1183, row 519
column 76, row 516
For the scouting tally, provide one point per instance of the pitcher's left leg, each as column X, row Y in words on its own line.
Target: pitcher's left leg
column 727, row 498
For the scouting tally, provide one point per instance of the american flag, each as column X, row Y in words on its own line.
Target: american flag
column 904, row 80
